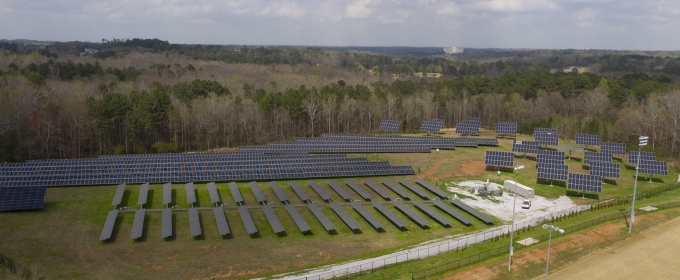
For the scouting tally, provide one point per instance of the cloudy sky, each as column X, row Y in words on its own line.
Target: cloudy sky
column 581, row 24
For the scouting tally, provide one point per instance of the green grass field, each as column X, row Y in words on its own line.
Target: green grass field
column 62, row 241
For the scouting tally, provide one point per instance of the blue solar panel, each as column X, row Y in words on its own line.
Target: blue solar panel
column 585, row 182
column 389, row 125
column 588, row 139
column 595, row 156
column 499, row 158
column 613, row 148
column 22, row 198
column 552, row 171
column 506, row 128
column 605, row 169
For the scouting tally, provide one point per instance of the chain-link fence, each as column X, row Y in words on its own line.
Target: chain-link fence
column 375, row 264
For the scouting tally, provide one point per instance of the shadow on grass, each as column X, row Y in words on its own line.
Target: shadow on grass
column 126, row 196
column 173, row 197
column 145, row 229
column 573, row 193
column 629, row 167
column 149, row 200
column 548, row 182
column 173, row 237
column 499, row 168
column 610, row 181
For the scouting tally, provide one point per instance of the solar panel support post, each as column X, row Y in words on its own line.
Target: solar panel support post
column 514, row 203
column 643, row 142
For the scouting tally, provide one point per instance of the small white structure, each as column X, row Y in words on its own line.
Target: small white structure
column 518, row 188
column 453, row 50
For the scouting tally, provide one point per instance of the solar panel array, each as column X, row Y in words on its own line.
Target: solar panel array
column 323, row 194
column 455, row 214
column 209, row 167
column 299, row 221
column 22, row 198
column 584, row 182
column 389, row 215
column 257, row 192
column 472, row 211
column 247, row 220
column 546, row 136
column 588, row 139
column 138, row 224
column 191, row 192
column 108, row 225
column 166, row 223
column 613, row 148
column 273, row 219
column 432, row 188
column 589, row 157
column 298, row 190
column 547, row 156
column 430, row 126
column 413, row 188
column 633, row 156
column 439, row 123
column 380, row 191
column 235, row 193
column 278, row 191
column 167, row 193
column 375, row 223
column 469, row 127
column 118, row 197
column 338, row 189
column 214, row 195
column 432, row 213
column 389, row 125
column 499, row 158
column 552, row 171
column 363, row 193
column 349, row 221
column 605, row 169
column 422, row 222
column 323, row 219
column 194, row 222
column 221, row 220
column 506, row 128
column 143, row 193
column 653, row 167
column 530, row 147
column 395, row 188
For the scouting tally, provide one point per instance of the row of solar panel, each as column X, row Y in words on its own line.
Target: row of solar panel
column 458, row 141
column 498, row 158
column 432, row 126
column 185, row 166
column 56, row 180
column 506, row 128
column 469, row 127
column 24, row 198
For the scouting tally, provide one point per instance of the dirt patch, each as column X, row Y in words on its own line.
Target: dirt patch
column 473, row 168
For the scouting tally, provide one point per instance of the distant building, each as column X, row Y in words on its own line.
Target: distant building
column 453, row 50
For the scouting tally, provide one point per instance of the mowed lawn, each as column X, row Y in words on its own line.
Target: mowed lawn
column 62, row 241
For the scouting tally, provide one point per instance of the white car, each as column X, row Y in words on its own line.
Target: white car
column 526, row 204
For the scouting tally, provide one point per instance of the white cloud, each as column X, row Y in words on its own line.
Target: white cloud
column 284, row 9
column 358, row 9
column 396, row 17
column 449, row 9
column 514, row 6
column 585, row 17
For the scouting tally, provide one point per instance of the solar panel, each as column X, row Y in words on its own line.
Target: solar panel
column 166, row 223
column 22, row 198
column 411, row 214
column 413, row 188
column 587, row 139
column 278, row 191
column 257, row 192
column 325, row 222
column 236, row 193
column 191, row 193
column 381, row 192
column 221, row 220
column 547, row 138
column 341, row 192
column 323, row 194
column 247, row 220
column 472, row 211
column 432, row 213
column 143, row 192
column 475, row 120
column 613, row 148
column 273, row 219
column 298, row 190
column 590, row 157
column 633, row 156
column 349, row 221
column 429, row 126
column 605, row 169
column 389, row 215
column 214, row 195
column 487, row 142
column 194, row 223
column 548, row 156
column 498, row 158
column 538, row 130
column 432, row 188
column 455, row 214
column 585, row 182
column 138, row 224
column 389, row 125
column 395, row 188
column 363, row 193
column 653, row 167
column 506, row 128
column 118, row 197
column 108, row 225
column 467, row 128
column 167, row 193
column 530, row 147
column 465, row 142
column 553, row 171
column 438, row 123
column 375, row 223
column 299, row 221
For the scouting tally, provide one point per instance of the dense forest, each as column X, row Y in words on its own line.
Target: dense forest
column 141, row 96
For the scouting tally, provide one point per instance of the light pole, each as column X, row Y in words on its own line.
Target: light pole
column 643, row 142
column 514, row 203
column 547, row 262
